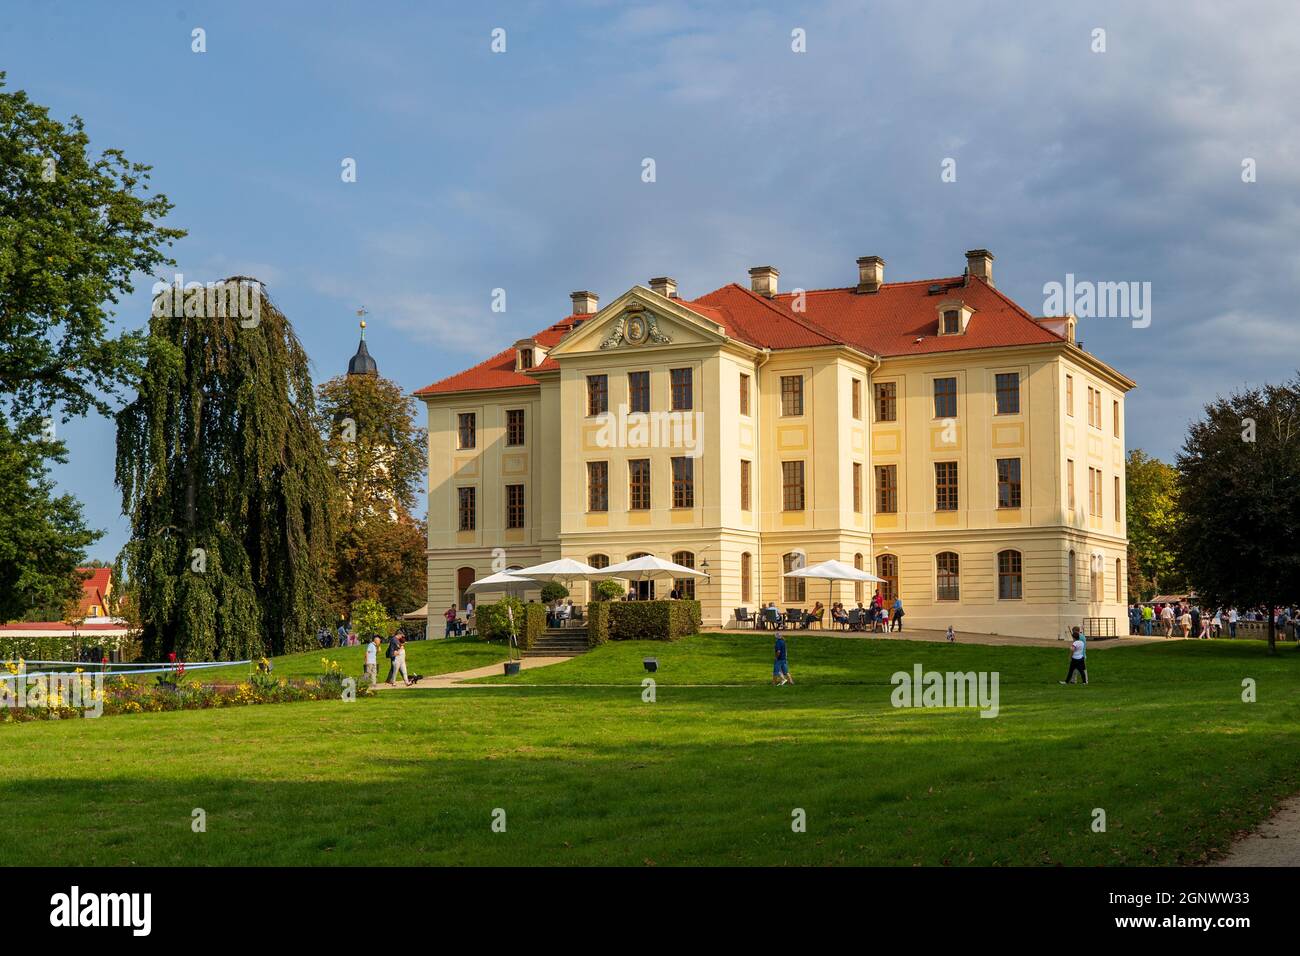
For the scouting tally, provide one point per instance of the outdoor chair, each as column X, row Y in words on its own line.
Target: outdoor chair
column 742, row 616
column 794, row 615
column 855, row 620
column 772, row 616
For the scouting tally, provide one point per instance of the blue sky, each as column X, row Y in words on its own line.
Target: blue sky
column 522, row 170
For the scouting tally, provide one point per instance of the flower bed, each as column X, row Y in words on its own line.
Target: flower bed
column 171, row 690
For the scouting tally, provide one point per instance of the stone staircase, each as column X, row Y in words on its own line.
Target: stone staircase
column 559, row 642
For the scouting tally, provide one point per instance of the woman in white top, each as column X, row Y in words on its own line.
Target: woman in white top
column 400, row 661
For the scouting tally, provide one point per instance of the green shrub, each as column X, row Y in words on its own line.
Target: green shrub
column 653, row 620
column 369, row 617
column 66, row 648
column 597, row 623
column 534, row 624
column 609, row 590
column 492, row 622
column 553, row 591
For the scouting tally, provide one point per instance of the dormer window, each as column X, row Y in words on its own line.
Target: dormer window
column 528, row 354
column 525, row 359
column 954, row 316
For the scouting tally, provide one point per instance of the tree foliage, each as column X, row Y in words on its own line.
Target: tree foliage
column 73, row 230
column 1239, row 477
column 378, row 455
column 224, row 478
column 1152, row 515
column 42, row 536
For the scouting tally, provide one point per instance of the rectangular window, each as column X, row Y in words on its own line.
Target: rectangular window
column 515, row 426
column 1008, row 482
column 945, row 486
column 746, row 573
column 887, row 402
column 638, row 476
column 597, row 486
column 1008, row 393
column 684, row 482
column 1094, row 492
column 1069, row 395
column 638, row 391
column 744, row 394
column 468, row 429
column 683, row 394
column 468, row 514
column 597, row 394
column 792, row 493
column 951, row 322
column 514, row 506
column 791, row 395
column 945, row 398
column 857, row 399
column 1119, row 502
column 525, row 359
column 744, row 485
column 857, row 488
column 1114, row 415
column 1094, row 407
column 886, row 489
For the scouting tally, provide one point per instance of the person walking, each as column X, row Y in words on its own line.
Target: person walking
column 1148, row 619
column 1167, row 620
column 951, row 635
column 394, row 645
column 1232, row 622
column 372, row 662
column 1185, row 622
column 897, row 622
column 781, row 663
column 1078, row 657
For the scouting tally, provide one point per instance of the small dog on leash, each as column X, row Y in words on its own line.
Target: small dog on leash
column 416, row 678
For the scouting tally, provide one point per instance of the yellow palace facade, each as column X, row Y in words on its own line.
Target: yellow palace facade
column 932, row 432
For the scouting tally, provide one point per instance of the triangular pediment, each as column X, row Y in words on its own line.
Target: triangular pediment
column 640, row 319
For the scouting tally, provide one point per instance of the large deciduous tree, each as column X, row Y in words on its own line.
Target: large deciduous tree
column 226, row 484
column 1152, row 515
column 378, row 455
column 74, row 228
column 1239, row 493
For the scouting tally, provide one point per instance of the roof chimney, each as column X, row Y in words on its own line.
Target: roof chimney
column 665, row 286
column 871, row 273
column 762, row 279
column 979, row 262
column 584, row 303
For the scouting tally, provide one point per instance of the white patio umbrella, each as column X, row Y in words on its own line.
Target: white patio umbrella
column 648, row 567
column 501, row 581
column 832, row 571
column 565, row 569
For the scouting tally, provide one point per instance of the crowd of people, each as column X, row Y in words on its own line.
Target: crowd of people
column 879, row 616
column 1184, row 619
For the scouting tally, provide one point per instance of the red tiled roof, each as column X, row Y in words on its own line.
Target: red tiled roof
column 901, row 318
column 94, row 589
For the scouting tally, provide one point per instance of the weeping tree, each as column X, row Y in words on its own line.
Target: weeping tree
column 225, row 481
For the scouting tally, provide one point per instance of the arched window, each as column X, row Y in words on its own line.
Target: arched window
column 1119, row 586
column 857, row 588
column 887, row 568
column 794, row 587
column 464, row 578
column 685, row 586
column 746, row 573
column 598, row 560
column 1073, row 572
column 1010, row 585
column 947, row 570
column 645, row 590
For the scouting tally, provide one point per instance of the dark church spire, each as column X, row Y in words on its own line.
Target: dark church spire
column 362, row 363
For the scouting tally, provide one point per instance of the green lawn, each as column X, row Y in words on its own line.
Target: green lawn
column 422, row 657
column 590, row 774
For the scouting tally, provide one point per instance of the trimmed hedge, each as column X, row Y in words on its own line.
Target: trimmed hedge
column 534, row 625
column 65, row 648
column 491, row 622
column 597, row 623
column 653, row 620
